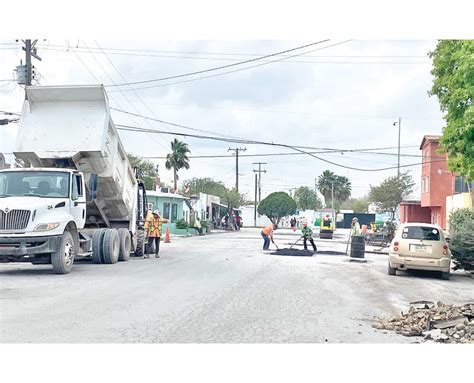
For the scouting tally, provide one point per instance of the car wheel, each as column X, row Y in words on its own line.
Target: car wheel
column 445, row 275
column 391, row 270
column 63, row 258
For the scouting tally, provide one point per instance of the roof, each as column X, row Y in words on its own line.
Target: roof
column 411, row 202
column 428, row 138
column 65, row 170
column 165, row 195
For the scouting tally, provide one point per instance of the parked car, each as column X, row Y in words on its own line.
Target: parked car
column 419, row 246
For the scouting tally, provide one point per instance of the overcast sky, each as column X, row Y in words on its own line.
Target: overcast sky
column 346, row 97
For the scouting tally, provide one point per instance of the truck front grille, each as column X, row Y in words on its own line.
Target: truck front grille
column 14, row 219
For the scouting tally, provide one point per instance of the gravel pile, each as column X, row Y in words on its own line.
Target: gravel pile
column 440, row 322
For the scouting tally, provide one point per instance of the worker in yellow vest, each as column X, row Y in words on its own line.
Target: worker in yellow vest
column 153, row 224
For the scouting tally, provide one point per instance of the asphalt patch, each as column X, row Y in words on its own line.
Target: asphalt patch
column 294, row 252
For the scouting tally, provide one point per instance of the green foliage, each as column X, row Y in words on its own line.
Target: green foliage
column 307, row 199
column 177, row 159
column 342, row 187
column 461, row 226
column 147, row 169
column 232, row 199
column 205, row 223
column 277, row 205
column 359, row 205
column 205, row 185
column 453, row 84
column 181, row 224
column 388, row 195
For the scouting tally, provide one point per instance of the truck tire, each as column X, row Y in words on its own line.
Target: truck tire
column 97, row 240
column 63, row 258
column 391, row 270
column 445, row 275
column 125, row 244
column 140, row 248
column 111, row 246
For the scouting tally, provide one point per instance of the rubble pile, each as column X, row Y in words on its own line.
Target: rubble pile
column 440, row 322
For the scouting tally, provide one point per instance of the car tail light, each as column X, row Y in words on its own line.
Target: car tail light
column 395, row 244
column 445, row 249
column 395, row 248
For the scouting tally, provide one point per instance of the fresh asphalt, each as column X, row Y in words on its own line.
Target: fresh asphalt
column 217, row 288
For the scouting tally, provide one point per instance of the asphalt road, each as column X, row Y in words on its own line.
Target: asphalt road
column 217, row 288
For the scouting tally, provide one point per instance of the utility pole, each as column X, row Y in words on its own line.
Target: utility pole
column 236, row 150
column 30, row 51
column 332, row 196
column 259, row 171
column 399, row 129
column 255, row 205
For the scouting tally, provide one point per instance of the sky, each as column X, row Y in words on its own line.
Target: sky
column 344, row 96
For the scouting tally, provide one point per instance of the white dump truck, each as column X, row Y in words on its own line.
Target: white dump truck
column 79, row 196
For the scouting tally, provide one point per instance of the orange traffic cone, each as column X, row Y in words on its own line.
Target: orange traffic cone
column 167, row 235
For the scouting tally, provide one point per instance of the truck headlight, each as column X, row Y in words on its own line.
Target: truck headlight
column 46, row 226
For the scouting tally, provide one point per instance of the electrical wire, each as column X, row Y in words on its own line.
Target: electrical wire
column 235, row 70
column 250, row 142
column 223, row 66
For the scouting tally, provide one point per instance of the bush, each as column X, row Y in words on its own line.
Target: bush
column 461, row 227
column 205, row 223
column 181, row 224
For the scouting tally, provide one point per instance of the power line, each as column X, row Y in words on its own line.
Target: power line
column 250, row 142
column 223, row 66
column 236, row 70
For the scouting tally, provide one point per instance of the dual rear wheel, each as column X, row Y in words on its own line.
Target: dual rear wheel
column 111, row 245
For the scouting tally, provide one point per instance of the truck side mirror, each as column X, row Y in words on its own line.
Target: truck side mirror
column 448, row 239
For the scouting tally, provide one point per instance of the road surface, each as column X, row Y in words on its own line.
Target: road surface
column 217, row 288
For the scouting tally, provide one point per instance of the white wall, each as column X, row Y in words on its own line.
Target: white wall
column 247, row 217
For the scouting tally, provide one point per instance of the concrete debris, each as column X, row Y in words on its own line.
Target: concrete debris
column 440, row 322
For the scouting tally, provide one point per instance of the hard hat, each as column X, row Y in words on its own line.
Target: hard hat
column 305, row 224
column 157, row 212
column 355, row 219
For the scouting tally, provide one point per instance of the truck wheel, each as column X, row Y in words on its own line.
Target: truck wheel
column 97, row 240
column 391, row 270
column 63, row 258
column 111, row 246
column 125, row 244
column 139, row 250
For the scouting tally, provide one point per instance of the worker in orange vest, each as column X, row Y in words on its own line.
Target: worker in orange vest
column 267, row 235
column 153, row 225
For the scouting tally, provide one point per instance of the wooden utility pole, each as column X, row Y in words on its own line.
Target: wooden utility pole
column 259, row 171
column 255, row 205
column 236, row 150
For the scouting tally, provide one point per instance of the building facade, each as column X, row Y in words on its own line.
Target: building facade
column 442, row 192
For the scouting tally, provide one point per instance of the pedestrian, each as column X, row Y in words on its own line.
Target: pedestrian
column 153, row 225
column 198, row 226
column 355, row 227
column 267, row 235
column 307, row 234
column 238, row 221
column 293, row 223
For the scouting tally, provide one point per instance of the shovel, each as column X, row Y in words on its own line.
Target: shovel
column 296, row 242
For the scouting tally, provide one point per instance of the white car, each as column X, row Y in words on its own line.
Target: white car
column 419, row 246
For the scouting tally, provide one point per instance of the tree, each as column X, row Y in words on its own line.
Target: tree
column 277, row 205
column 307, row 199
column 359, row 205
column 461, row 227
column 388, row 195
column 177, row 159
column 233, row 199
column 205, row 185
column 328, row 182
column 146, row 168
column 453, row 84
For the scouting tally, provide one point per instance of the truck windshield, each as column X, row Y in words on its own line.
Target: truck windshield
column 34, row 183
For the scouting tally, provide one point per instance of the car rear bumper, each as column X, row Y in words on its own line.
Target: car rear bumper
column 417, row 263
column 17, row 248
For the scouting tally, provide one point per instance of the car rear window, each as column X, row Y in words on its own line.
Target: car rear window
column 421, row 232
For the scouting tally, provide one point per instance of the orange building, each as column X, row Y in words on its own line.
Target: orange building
column 437, row 183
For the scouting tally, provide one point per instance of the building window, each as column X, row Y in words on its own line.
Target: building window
column 166, row 210
column 425, row 184
column 461, row 185
column 150, row 206
column 174, row 212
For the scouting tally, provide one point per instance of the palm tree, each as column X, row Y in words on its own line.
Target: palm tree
column 328, row 182
column 177, row 159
